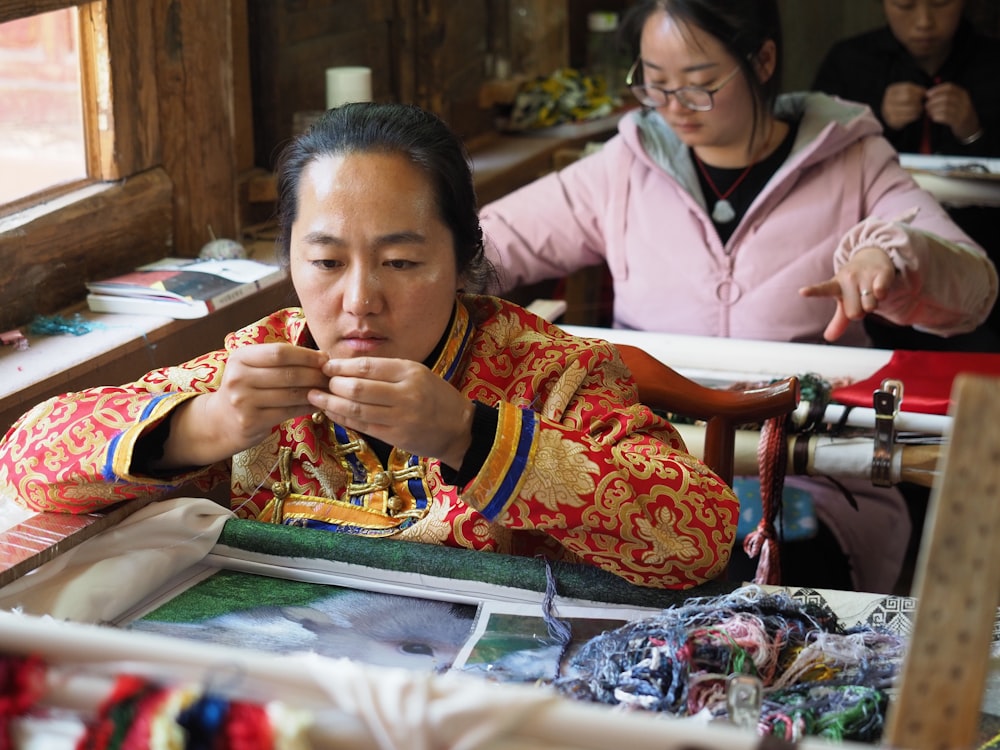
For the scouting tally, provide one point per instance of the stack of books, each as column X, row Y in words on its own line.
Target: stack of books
column 181, row 287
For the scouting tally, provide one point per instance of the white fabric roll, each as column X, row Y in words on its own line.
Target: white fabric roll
column 108, row 574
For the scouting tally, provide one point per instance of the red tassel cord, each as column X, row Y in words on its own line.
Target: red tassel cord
column 762, row 542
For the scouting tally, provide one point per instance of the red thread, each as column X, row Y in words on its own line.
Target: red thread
column 925, row 134
column 248, row 727
column 140, row 730
column 729, row 191
column 22, row 682
column 772, row 457
column 108, row 726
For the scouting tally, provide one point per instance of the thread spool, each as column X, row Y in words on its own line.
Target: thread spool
column 351, row 83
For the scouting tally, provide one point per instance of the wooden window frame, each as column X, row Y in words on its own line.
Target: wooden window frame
column 168, row 138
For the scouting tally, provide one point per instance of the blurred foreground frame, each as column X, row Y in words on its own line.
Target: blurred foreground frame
column 957, row 584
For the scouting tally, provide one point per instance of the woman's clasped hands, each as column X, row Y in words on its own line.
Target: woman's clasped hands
column 400, row 402
column 946, row 104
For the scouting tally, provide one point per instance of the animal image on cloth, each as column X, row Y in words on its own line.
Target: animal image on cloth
column 513, row 647
column 242, row 609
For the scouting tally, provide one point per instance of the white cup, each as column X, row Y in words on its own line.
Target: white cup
column 351, row 83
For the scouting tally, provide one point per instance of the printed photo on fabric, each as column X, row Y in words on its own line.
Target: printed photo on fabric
column 242, row 609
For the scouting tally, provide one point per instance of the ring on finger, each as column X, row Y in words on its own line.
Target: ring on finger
column 866, row 292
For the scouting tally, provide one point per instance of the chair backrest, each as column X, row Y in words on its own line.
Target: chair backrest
column 723, row 411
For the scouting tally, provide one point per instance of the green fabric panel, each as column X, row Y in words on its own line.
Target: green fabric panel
column 572, row 580
column 228, row 591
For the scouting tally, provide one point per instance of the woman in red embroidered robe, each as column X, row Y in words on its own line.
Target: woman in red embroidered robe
column 392, row 403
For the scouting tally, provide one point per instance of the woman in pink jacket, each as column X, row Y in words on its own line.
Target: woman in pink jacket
column 723, row 209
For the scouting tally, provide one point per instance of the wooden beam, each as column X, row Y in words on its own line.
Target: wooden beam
column 48, row 258
column 118, row 80
column 196, row 86
column 957, row 584
column 42, row 537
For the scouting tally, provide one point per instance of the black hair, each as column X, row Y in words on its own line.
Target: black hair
column 741, row 26
column 425, row 140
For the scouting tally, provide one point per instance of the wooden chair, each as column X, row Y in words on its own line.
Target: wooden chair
column 938, row 703
column 662, row 387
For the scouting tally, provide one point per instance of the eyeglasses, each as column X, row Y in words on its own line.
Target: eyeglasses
column 698, row 98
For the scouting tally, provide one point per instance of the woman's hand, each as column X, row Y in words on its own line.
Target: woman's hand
column 262, row 386
column 951, row 105
column 858, row 286
column 400, row 402
column 902, row 104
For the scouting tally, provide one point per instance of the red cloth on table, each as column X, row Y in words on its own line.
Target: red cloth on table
column 927, row 379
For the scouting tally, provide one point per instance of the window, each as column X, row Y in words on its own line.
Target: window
column 41, row 118
column 89, row 201
column 167, row 128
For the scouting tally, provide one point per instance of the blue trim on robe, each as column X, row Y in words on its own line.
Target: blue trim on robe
column 310, row 523
column 447, row 375
column 416, row 486
column 108, row 473
column 359, row 473
column 518, row 465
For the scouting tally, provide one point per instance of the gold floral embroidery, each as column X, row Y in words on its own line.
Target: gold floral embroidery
column 434, row 528
column 669, row 543
column 564, row 390
column 252, row 467
column 562, row 474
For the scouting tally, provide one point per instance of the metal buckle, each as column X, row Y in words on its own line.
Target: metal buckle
column 744, row 698
column 886, row 401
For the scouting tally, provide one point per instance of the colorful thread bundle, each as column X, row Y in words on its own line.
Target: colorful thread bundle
column 139, row 714
column 818, row 677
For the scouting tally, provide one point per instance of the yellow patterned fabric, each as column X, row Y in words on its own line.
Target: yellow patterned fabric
column 578, row 469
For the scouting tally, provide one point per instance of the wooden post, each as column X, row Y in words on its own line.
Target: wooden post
column 957, row 583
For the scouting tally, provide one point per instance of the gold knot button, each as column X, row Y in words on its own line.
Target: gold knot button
column 318, row 417
column 280, row 489
column 394, row 504
column 381, row 479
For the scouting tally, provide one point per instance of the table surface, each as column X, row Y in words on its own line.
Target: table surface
column 952, row 182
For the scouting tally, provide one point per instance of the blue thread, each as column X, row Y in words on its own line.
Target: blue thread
column 558, row 629
column 203, row 722
column 55, row 325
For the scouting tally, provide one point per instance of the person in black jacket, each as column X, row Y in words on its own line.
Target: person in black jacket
column 929, row 76
column 934, row 82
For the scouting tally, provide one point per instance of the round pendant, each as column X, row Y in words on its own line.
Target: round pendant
column 722, row 212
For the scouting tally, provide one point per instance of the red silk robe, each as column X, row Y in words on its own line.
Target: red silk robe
column 578, row 469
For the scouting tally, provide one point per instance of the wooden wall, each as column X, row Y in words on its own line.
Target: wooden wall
column 434, row 53
column 204, row 93
column 438, row 53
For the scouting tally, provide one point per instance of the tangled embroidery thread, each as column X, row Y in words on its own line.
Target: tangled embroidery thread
column 819, row 678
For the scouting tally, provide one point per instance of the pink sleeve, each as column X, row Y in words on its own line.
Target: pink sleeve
column 945, row 282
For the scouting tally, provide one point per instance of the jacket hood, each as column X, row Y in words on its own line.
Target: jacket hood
column 827, row 125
